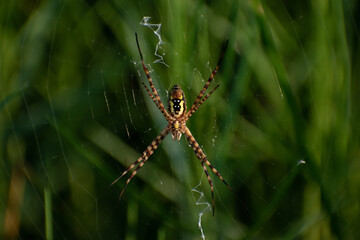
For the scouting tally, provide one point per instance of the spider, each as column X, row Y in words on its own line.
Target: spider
column 176, row 117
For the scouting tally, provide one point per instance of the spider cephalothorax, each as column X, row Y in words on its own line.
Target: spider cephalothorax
column 177, row 118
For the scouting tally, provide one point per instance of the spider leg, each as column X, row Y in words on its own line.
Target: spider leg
column 202, row 157
column 201, row 94
column 151, row 95
column 211, row 185
column 164, row 112
column 145, row 155
column 193, row 110
column 216, row 172
column 132, row 175
column 156, row 95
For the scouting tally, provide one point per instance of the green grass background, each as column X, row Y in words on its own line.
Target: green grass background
column 283, row 128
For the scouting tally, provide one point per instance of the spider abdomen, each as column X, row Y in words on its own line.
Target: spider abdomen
column 177, row 102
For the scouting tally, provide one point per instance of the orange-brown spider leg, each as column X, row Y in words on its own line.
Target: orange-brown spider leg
column 201, row 94
column 211, row 185
column 141, row 160
column 193, row 110
column 202, row 157
column 216, row 172
column 154, row 100
column 156, row 95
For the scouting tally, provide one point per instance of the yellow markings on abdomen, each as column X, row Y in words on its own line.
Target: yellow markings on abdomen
column 177, row 101
column 176, row 106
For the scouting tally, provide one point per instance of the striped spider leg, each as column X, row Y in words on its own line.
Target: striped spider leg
column 176, row 117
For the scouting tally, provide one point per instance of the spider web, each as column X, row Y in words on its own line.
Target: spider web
column 75, row 116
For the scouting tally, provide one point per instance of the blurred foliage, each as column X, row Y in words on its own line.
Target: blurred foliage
column 283, row 128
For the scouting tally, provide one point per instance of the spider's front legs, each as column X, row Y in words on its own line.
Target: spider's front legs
column 197, row 103
column 155, row 97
